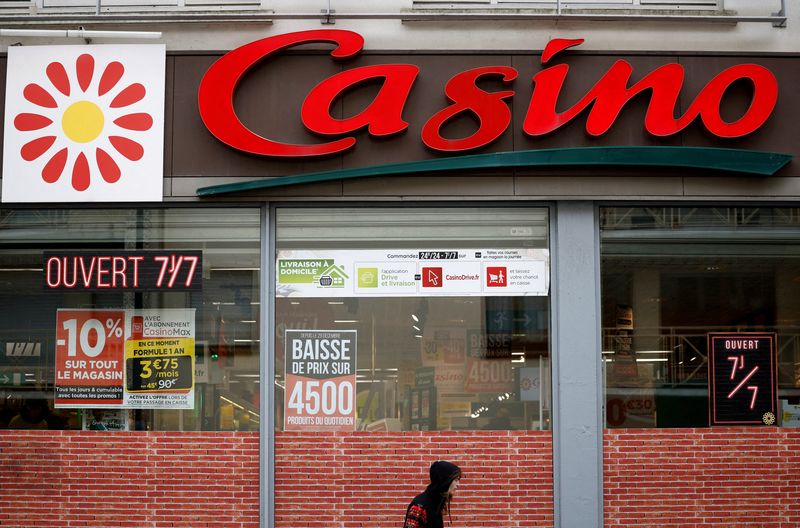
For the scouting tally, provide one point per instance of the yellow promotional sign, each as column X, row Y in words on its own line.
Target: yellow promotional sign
column 161, row 367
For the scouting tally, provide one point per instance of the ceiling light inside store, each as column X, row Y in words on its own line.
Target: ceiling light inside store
column 478, row 412
column 415, row 318
column 335, row 302
column 651, row 360
column 416, row 328
column 654, row 351
column 345, row 321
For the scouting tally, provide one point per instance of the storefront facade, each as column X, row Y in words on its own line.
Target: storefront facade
column 571, row 272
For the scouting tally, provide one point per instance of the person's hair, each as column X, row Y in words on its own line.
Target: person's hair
column 449, row 496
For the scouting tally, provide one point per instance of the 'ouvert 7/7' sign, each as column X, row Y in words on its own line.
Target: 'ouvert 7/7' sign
column 383, row 116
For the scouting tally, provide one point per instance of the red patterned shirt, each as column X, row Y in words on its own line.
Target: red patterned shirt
column 416, row 517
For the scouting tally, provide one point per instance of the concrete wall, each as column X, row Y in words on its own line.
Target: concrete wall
column 215, row 33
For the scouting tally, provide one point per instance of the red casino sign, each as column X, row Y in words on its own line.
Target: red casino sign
column 384, row 115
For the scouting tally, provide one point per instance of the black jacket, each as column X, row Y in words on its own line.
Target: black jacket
column 432, row 500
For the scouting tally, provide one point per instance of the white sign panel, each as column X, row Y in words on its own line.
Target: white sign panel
column 84, row 124
column 530, row 384
column 408, row 273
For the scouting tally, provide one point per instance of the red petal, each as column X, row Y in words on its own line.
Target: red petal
column 39, row 96
column 128, row 96
column 80, row 173
column 58, row 76
column 25, row 122
column 52, row 171
column 109, row 169
column 84, row 66
column 135, row 121
column 127, row 147
column 111, row 75
column 33, row 149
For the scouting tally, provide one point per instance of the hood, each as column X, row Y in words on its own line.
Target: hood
column 442, row 475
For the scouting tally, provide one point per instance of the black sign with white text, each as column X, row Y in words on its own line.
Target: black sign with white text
column 123, row 270
column 742, row 382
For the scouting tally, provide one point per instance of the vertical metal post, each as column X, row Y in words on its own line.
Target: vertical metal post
column 327, row 15
column 781, row 13
column 267, row 369
column 542, row 377
column 577, row 385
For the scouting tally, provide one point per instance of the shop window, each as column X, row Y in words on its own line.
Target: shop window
column 700, row 316
column 394, row 319
column 129, row 319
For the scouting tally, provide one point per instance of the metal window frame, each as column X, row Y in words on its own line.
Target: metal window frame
column 577, row 497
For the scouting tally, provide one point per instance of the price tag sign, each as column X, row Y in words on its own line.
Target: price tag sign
column 89, row 369
column 159, row 359
column 158, row 365
column 320, row 380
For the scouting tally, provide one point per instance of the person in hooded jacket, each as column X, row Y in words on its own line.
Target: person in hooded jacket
column 427, row 508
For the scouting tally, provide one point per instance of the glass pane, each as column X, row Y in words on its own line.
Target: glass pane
column 673, row 278
column 202, row 359
column 443, row 314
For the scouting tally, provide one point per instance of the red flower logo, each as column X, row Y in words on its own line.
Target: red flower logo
column 85, row 127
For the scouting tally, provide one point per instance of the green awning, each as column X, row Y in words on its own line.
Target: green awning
column 717, row 159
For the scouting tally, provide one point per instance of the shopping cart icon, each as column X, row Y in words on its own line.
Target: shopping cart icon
column 496, row 276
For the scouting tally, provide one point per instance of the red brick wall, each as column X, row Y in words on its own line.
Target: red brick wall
column 701, row 478
column 698, row 478
column 132, row 479
column 366, row 480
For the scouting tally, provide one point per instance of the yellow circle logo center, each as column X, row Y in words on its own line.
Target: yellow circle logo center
column 83, row 121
